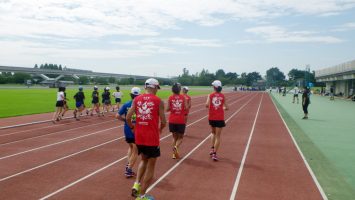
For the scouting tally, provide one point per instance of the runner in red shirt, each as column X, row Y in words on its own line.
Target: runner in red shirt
column 149, row 109
column 177, row 107
column 216, row 104
column 185, row 90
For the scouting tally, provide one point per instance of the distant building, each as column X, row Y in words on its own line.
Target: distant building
column 340, row 77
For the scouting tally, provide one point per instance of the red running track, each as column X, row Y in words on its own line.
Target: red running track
column 258, row 159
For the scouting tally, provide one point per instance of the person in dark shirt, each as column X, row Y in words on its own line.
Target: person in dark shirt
column 106, row 100
column 305, row 102
column 79, row 99
column 95, row 102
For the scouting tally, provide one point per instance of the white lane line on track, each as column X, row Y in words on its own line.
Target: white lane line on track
column 49, row 145
column 44, row 121
column 193, row 150
column 30, row 150
column 13, row 142
column 56, row 125
column 240, row 170
column 59, row 159
column 51, row 126
column 119, row 160
column 320, row 189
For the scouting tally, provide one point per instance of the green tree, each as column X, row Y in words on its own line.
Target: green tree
column 36, row 66
column 21, row 77
column 84, row 80
column 252, row 77
column 112, row 80
column 274, row 77
column 60, row 67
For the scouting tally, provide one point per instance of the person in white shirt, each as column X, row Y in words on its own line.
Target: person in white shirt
column 118, row 98
column 59, row 105
column 295, row 94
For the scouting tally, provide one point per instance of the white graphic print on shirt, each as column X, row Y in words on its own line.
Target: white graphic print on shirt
column 145, row 110
column 216, row 102
column 176, row 104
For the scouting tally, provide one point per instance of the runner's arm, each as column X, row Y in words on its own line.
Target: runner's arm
column 208, row 101
column 225, row 106
column 129, row 115
column 162, row 116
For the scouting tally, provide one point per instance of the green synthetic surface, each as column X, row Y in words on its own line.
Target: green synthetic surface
column 327, row 140
column 17, row 102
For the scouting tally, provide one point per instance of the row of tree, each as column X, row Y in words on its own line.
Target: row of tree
column 205, row 78
column 8, row 77
column 274, row 77
column 49, row 66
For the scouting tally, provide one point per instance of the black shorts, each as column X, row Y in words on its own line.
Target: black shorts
column 217, row 123
column 177, row 128
column 295, row 95
column 95, row 101
column 59, row 104
column 149, row 151
column 130, row 140
column 107, row 102
column 118, row 100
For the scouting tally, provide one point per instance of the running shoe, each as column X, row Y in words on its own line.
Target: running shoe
column 136, row 190
column 214, row 157
column 146, row 197
column 87, row 112
column 212, row 151
column 129, row 173
column 176, row 152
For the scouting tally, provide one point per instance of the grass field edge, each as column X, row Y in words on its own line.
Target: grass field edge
column 331, row 181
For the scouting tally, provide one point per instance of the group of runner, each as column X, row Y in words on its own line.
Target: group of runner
column 145, row 120
column 144, row 117
column 62, row 106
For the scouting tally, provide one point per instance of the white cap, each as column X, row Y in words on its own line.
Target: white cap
column 185, row 88
column 107, row 88
column 217, row 83
column 136, row 91
column 95, row 87
column 152, row 83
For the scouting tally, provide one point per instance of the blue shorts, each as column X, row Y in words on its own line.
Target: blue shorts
column 118, row 100
column 79, row 104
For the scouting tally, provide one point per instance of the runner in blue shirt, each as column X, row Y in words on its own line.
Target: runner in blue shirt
column 129, row 133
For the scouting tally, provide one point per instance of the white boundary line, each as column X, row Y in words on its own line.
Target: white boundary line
column 241, row 167
column 117, row 161
column 193, row 150
column 75, row 138
column 39, row 136
column 59, row 159
column 51, row 126
column 320, row 189
column 44, row 121
column 64, row 141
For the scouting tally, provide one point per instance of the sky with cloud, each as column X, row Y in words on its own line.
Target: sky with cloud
column 161, row 37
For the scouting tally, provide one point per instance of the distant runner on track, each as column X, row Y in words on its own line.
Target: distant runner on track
column 149, row 109
column 59, row 104
column 216, row 104
column 118, row 97
column 79, row 102
column 177, row 124
column 185, row 90
column 129, row 134
column 95, row 102
column 106, row 101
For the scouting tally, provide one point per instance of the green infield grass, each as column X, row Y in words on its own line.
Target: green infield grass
column 17, row 102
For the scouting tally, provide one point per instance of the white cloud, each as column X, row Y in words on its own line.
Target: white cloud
column 79, row 18
column 279, row 34
column 346, row 27
column 195, row 42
